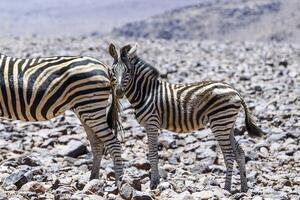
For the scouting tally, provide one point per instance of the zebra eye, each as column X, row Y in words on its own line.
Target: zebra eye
column 124, row 58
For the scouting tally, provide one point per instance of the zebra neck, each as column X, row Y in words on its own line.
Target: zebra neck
column 144, row 83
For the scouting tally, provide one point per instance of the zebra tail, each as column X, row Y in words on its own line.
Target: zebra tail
column 251, row 127
column 113, row 116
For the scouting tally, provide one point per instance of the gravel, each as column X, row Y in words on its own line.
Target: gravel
column 191, row 165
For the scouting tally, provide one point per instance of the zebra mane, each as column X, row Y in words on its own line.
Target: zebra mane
column 140, row 63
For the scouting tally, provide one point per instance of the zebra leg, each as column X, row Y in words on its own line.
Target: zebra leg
column 223, row 138
column 240, row 159
column 152, row 133
column 114, row 148
column 98, row 124
column 97, row 147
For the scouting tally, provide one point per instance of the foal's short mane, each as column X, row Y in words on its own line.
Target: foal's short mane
column 155, row 71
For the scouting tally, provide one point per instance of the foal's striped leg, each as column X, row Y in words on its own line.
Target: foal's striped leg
column 221, row 127
column 223, row 137
column 240, row 159
column 152, row 133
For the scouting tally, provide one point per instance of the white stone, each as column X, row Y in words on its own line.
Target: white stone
column 186, row 195
column 203, row 195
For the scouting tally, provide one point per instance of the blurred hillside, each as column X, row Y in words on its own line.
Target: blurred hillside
column 75, row 17
column 251, row 20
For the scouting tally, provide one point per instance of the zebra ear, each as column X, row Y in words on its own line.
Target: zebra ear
column 124, row 50
column 132, row 51
column 112, row 51
column 128, row 50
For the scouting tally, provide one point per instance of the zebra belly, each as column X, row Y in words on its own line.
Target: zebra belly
column 182, row 122
column 28, row 117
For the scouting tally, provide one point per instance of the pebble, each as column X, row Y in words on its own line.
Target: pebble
column 17, row 178
column 166, row 140
column 126, row 191
column 276, row 137
column 33, row 186
column 94, row 186
column 138, row 195
column 297, row 180
column 142, row 164
column 164, row 186
column 203, row 195
column 74, row 149
column 30, row 161
column 186, row 195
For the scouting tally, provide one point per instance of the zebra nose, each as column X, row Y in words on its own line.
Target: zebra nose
column 119, row 92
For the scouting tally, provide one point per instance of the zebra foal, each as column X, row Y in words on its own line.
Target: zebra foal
column 181, row 108
column 40, row 89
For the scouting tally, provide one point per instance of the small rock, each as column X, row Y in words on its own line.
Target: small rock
column 203, row 195
column 169, row 168
column 252, row 176
column 94, row 186
column 134, row 183
column 164, row 186
column 201, row 168
column 276, row 137
column 296, row 156
column 138, row 195
column 33, row 186
column 3, row 195
column 168, row 194
column 63, row 192
column 297, row 180
column 17, row 178
column 190, row 139
column 257, row 198
column 200, row 135
column 80, row 196
column 264, row 152
column 166, row 140
column 174, row 159
column 30, row 161
column 142, row 163
column 111, row 189
column 186, row 195
column 74, row 149
column 283, row 63
column 258, row 88
column 48, row 143
column 126, row 191
column 55, row 182
column 244, row 78
column 206, row 155
column 162, row 172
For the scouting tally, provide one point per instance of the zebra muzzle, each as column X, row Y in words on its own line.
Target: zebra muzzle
column 119, row 92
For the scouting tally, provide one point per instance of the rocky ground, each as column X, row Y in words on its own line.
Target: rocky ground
column 51, row 160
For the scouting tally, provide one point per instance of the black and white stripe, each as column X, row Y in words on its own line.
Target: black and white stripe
column 39, row 89
column 182, row 108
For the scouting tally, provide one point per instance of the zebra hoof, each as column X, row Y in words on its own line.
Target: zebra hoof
column 94, row 176
column 228, row 188
column 154, row 183
column 244, row 189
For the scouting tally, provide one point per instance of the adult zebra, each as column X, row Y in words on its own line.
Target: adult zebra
column 181, row 108
column 39, row 89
